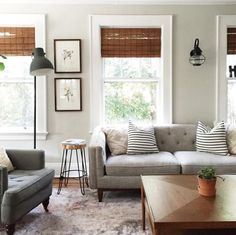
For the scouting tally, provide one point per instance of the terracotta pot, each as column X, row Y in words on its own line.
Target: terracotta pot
column 206, row 187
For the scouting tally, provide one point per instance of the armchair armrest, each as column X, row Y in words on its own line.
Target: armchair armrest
column 27, row 159
column 97, row 156
column 3, row 181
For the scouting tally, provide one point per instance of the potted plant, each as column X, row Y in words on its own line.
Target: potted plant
column 207, row 181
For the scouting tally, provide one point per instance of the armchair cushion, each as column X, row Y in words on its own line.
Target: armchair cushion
column 24, row 184
column 23, row 159
column 4, row 160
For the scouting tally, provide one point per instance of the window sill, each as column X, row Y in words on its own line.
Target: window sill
column 22, row 135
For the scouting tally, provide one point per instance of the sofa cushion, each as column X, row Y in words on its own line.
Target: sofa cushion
column 211, row 140
column 141, row 140
column 22, row 184
column 142, row 164
column 192, row 161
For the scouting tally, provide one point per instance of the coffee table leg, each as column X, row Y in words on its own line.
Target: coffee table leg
column 143, row 206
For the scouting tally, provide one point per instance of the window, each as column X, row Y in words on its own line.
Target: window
column 19, row 34
column 16, row 85
column 226, row 60
column 126, row 82
column 231, row 75
column 131, row 71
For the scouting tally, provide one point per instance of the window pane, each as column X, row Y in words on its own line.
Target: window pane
column 132, row 67
column 231, row 102
column 16, row 94
column 124, row 101
column 16, row 67
column 16, row 106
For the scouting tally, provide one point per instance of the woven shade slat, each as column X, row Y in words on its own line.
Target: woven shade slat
column 130, row 42
column 17, row 41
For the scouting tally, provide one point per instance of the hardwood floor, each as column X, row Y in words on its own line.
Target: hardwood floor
column 72, row 183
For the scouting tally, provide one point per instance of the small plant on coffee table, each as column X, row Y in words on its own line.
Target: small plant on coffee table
column 207, row 173
column 207, row 181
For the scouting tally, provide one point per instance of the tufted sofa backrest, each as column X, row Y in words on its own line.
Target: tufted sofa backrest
column 176, row 137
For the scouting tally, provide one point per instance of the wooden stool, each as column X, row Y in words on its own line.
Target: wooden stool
column 68, row 147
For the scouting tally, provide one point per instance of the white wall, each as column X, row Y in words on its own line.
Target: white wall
column 193, row 87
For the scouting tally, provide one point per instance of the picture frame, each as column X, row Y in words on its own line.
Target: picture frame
column 68, row 94
column 67, row 56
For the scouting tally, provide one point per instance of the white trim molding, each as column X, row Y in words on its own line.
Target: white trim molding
column 223, row 21
column 96, row 91
column 122, row 2
column 22, row 135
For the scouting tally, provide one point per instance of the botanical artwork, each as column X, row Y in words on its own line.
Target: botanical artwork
column 67, row 55
column 68, row 94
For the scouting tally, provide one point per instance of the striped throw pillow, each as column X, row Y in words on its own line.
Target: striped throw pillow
column 141, row 140
column 211, row 140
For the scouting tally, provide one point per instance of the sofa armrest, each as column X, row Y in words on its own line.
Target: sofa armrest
column 27, row 159
column 97, row 156
column 3, row 180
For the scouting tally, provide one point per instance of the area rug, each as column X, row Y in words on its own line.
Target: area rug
column 72, row 213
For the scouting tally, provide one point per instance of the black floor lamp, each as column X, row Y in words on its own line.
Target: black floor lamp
column 39, row 66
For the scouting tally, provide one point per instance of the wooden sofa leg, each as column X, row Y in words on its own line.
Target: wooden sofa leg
column 100, row 194
column 10, row 229
column 45, row 204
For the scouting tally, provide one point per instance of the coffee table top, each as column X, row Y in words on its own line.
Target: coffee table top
column 175, row 198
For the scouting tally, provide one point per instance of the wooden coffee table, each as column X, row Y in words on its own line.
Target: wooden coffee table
column 172, row 202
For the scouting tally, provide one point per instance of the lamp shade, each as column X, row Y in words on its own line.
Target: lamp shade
column 40, row 65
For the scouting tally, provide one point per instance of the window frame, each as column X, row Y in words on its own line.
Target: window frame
column 38, row 22
column 96, row 87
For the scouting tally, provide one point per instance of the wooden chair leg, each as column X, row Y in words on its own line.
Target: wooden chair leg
column 45, row 204
column 10, row 229
column 100, row 194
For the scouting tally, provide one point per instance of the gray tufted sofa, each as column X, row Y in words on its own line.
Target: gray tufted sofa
column 24, row 188
column 177, row 156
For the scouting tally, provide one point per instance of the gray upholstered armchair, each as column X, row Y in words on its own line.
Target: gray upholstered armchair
column 24, row 188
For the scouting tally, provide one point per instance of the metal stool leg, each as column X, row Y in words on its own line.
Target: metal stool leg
column 68, row 170
column 85, row 173
column 81, row 178
column 63, row 163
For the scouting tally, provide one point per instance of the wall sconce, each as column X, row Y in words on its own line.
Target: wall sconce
column 2, row 66
column 196, row 56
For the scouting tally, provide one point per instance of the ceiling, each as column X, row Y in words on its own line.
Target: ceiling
column 134, row 2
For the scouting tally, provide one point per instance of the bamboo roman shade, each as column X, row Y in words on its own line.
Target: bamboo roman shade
column 130, row 42
column 17, row 41
column 231, row 41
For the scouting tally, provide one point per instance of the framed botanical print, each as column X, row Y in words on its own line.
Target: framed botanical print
column 67, row 56
column 68, row 94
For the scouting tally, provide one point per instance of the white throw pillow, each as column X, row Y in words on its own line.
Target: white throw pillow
column 231, row 139
column 141, row 140
column 211, row 140
column 117, row 139
column 4, row 160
